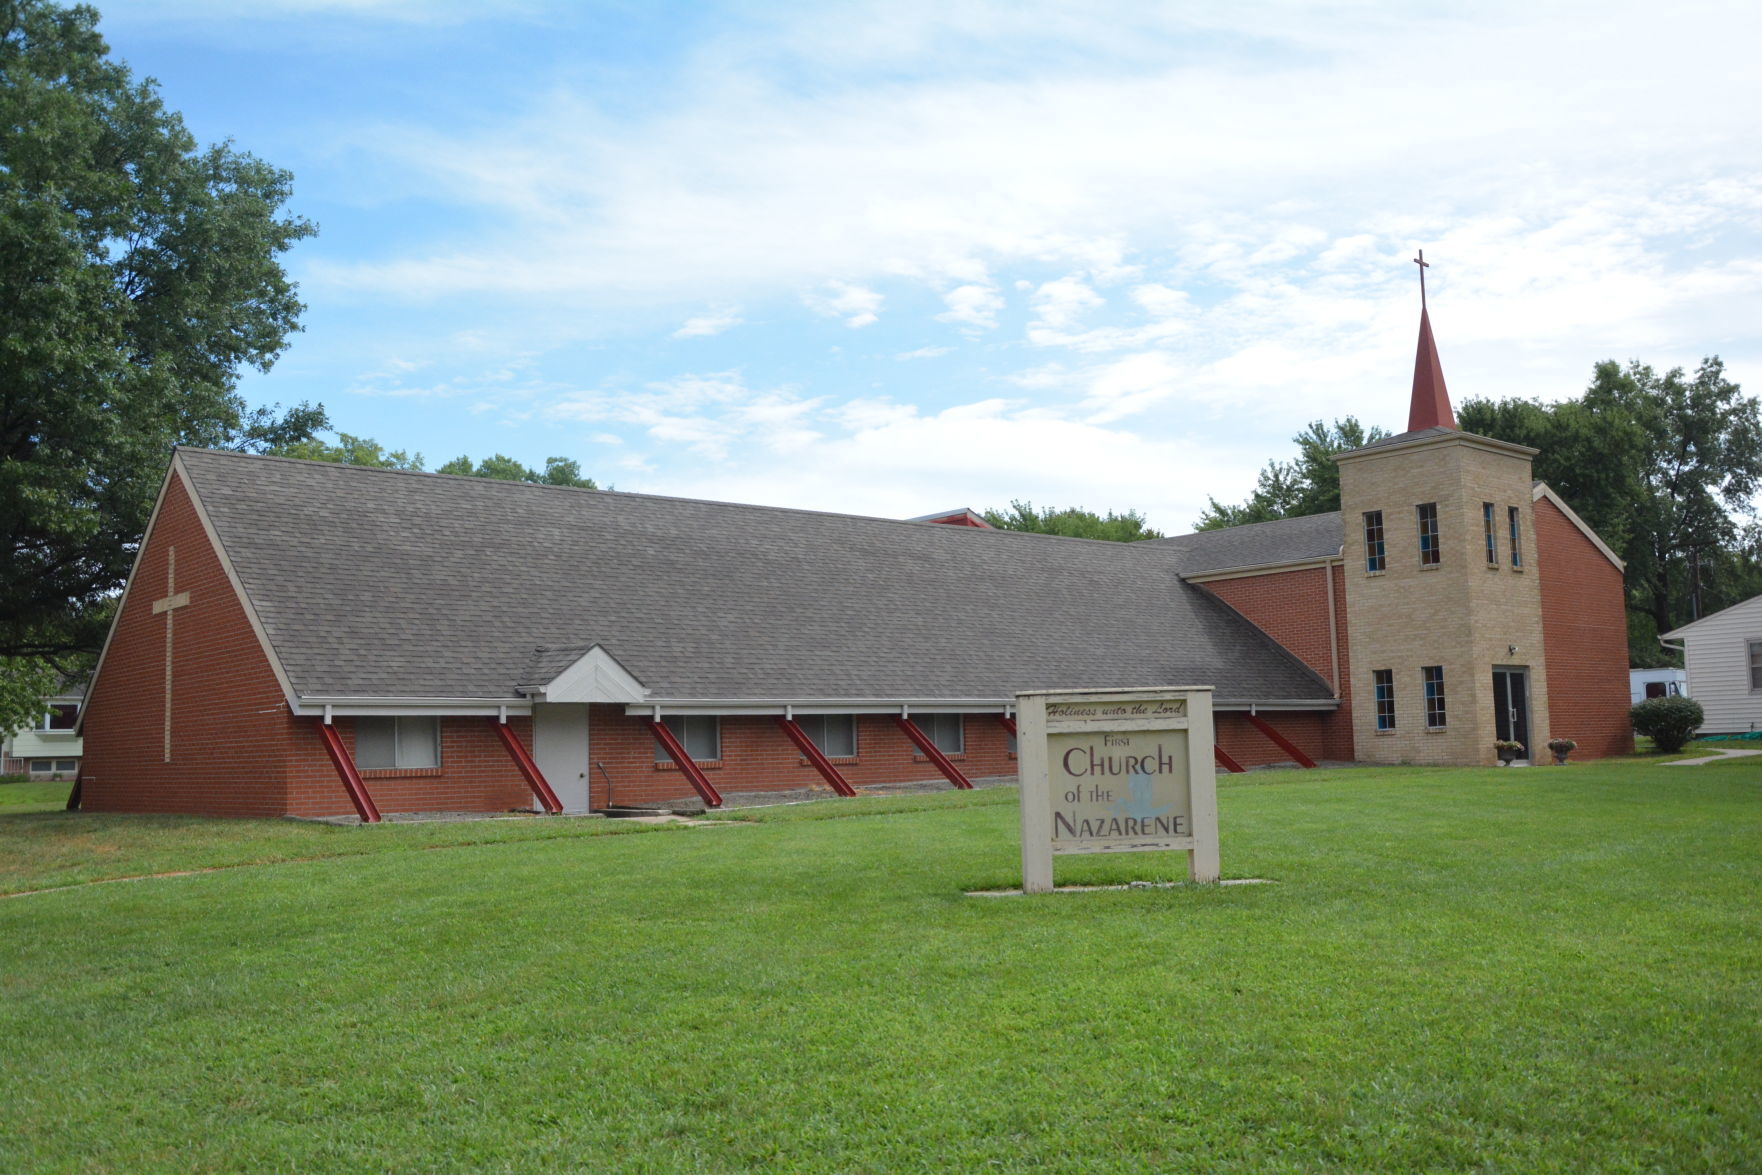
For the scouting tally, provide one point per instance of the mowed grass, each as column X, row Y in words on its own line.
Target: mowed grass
column 1510, row 970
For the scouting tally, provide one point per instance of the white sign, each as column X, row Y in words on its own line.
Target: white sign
column 1116, row 771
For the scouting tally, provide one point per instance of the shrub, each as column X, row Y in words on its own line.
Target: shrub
column 1668, row 722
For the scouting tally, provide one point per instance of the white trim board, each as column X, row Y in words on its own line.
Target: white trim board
column 1543, row 490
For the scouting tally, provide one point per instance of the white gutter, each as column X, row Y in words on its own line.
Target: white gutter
column 363, row 707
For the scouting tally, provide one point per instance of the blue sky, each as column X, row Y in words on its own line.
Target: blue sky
column 895, row 257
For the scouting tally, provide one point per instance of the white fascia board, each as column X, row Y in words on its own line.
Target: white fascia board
column 772, row 706
column 596, row 676
column 1543, row 490
column 1256, row 569
column 313, row 706
column 1278, row 704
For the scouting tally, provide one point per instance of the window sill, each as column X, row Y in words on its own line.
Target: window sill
column 835, row 760
column 951, row 756
column 396, row 772
column 1391, row 730
column 1430, row 566
column 1437, row 730
column 1374, row 574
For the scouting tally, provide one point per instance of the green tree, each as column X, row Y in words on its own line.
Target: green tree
column 138, row 276
column 558, row 471
column 24, row 683
column 1073, row 523
column 1665, row 468
column 350, row 450
column 1310, row 484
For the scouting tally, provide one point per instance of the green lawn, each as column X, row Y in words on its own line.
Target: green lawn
column 1510, row 970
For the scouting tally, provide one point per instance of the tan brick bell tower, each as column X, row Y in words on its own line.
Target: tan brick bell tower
column 1443, row 605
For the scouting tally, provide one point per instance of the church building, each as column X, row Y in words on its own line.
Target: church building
column 306, row 639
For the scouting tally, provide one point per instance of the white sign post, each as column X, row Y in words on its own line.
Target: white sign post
column 1116, row 771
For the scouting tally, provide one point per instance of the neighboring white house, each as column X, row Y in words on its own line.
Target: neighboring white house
column 1656, row 683
column 1723, row 657
column 49, row 749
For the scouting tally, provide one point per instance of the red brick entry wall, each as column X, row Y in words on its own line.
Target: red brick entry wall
column 1292, row 608
column 229, row 719
column 1584, row 637
column 756, row 756
column 1310, row 731
column 475, row 774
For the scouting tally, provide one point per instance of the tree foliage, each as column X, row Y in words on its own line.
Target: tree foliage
column 138, row 276
column 1309, row 484
column 24, row 683
column 558, row 471
column 1073, row 523
column 353, row 450
column 1665, row 468
column 350, row 450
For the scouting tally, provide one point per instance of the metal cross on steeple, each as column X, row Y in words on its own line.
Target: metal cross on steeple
column 1423, row 266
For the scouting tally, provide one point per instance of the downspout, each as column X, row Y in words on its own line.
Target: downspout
column 1333, row 630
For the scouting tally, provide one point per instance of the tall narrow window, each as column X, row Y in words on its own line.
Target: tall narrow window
column 1433, row 678
column 1756, row 667
column 1384, row 682
column 1516, row 535
column 1429, row 554
column 1373, row 541
column 1492, row 534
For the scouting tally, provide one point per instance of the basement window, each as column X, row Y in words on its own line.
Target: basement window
column 944, row 730
column 834, row 734
column 699, row 734
column 383, row 744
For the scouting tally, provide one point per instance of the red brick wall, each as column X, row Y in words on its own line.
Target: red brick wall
column 756, row 756
column 1584, row 637
column 229, row 718
column 236, row 750
column 1292, row 608
column 475, row 774
column 1311, row 731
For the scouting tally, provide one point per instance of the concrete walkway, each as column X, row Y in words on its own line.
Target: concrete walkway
column 1715, row 757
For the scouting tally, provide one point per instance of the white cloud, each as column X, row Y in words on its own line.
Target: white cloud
column 923, row 353
column 713, row 322
column 972, row 305
column 858, row 306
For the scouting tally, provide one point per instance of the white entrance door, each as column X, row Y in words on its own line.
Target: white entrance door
column 559, row 738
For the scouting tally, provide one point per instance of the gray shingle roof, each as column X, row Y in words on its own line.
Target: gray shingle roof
column 1286, row 540
column 379, row 583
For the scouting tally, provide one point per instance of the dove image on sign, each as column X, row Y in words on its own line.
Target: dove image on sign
column 1112, row 771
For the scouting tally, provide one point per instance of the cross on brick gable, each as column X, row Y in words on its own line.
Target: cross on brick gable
column 173, row 600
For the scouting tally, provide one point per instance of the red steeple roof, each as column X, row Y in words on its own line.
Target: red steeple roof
column 1431, row 400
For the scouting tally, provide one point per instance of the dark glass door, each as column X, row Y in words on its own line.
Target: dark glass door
column 1511, row 708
